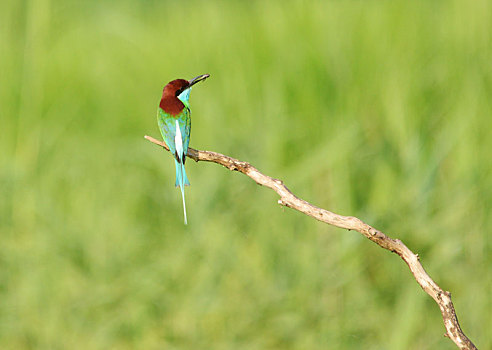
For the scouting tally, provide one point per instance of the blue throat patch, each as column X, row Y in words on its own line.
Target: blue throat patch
column 185, row 97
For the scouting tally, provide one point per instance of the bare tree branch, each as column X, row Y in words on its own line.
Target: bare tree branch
column 288, row 199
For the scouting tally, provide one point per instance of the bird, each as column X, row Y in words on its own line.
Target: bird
column 174, row 120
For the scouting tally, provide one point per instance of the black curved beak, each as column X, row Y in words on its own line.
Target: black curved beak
column 197, row 79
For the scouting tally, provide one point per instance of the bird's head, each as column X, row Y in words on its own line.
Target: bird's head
column 180, row 88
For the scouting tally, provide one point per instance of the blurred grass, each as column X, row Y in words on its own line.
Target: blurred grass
column 376, row 109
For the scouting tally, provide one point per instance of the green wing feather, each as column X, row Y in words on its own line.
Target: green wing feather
column 167, row 126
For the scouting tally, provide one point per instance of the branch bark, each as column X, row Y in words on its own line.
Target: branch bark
column 288, row 199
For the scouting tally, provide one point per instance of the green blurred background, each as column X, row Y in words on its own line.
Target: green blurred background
column 378, row 109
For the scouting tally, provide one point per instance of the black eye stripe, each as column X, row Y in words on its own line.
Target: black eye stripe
column 178, row 92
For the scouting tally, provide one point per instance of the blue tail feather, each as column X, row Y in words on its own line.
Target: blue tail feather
column 180, row 173
column 181, row 181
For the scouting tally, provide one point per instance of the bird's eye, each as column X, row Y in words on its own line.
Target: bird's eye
column 180, row 91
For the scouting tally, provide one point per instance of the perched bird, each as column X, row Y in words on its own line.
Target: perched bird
column 174, row 120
